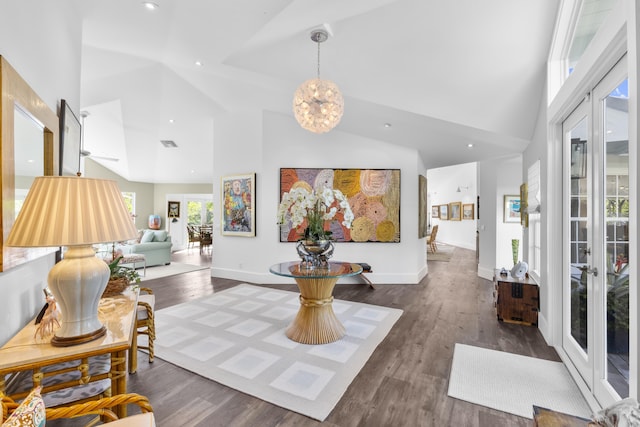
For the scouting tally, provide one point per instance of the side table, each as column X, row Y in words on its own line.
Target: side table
column 316, row 323
column 26, row 352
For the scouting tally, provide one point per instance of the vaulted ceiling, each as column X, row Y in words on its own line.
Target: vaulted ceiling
column 443, row 74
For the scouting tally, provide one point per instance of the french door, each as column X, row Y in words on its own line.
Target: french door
column 596, row 239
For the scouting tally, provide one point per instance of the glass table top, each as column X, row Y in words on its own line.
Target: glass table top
column 333, row 269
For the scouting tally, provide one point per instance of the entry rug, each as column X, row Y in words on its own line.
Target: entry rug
column 513, row 383
column 172, row 269
column 236, row 337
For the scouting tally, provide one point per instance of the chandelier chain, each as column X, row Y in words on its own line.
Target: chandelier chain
column 318, row 59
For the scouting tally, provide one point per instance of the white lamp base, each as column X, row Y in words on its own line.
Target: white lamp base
column 77, row 282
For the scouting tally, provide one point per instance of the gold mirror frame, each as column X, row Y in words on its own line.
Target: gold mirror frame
column 16, row 93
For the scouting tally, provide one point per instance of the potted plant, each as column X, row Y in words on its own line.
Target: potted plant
column 618, row 307
column 119, row 278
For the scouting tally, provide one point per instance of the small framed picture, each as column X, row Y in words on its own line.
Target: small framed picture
column 238, row 205
column 455, row 211
column 173, row 210
column 511, row 208
column 444, row 211
column 435, row 211
column 467, row 211
column 70, row 140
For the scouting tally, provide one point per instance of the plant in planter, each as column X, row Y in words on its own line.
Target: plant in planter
column 119, row 278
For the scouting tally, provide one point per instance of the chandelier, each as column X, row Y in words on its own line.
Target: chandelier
column 317, row 103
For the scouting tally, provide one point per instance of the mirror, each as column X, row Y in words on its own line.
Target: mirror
column 29, row 148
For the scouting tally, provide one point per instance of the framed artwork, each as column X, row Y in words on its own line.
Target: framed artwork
column 238, row 205
column 435, row 211
column 467, row 211
column 70, row 140
column 444, row 211
column 511, row 208
column 373, row 194
column 455, row 211
column 173, row 210
column 524, row 215
column 422, row 207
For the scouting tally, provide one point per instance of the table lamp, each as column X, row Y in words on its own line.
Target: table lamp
column 75, row 212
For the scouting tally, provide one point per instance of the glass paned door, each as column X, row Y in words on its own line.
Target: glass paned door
column 578, row 289
column 616, row 242
column 596, row 241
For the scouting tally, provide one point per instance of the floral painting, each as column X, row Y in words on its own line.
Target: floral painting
column 372, row 194
column 238, row 210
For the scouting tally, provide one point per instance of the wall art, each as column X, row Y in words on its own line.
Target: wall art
column 467, row 211
column 455, row 211
column 238, row 205
column 511, row 208
column 373, row 194
column 423, row 224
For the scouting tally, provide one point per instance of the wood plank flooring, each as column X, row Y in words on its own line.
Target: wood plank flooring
column 405, row 381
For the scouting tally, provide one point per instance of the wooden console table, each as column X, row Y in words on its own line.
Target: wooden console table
column 316, row 323
column 26, row 351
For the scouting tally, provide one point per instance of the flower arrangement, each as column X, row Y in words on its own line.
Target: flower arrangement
column 316, row 207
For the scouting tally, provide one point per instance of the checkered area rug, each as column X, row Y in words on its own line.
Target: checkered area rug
column 236, row 337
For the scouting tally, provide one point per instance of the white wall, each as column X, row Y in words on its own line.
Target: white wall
column 263, row 143
column 44, row 48
column 535, row 151
column 443, row 184
column 497, row 178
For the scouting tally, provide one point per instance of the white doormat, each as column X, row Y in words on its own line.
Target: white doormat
column 513, row 383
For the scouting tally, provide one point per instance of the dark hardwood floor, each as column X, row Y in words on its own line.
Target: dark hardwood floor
column 405, row 381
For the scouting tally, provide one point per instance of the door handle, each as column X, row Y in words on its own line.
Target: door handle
column 587, row 269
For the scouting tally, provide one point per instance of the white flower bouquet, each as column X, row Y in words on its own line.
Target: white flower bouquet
column 317, row 208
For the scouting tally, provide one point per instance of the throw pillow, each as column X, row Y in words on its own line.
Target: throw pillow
column 159, row 236
column 30, row 413
column 147, row 237
column 140, row 234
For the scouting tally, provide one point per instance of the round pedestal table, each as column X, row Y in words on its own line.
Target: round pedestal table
column 316, row 323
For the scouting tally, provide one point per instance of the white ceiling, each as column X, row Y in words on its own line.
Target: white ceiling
column 443, row 73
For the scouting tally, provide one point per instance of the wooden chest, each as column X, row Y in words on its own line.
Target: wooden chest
column 516, row 300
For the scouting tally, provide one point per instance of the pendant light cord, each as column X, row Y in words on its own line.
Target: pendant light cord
column 318, row 42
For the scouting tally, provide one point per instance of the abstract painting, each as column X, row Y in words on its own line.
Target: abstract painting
column 373, row 194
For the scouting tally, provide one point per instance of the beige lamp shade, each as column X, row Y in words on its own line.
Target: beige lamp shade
column 71, row 210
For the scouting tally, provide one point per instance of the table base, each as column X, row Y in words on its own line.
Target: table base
column 316, row 323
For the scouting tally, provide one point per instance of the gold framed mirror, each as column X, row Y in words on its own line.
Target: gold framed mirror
column 28, row 136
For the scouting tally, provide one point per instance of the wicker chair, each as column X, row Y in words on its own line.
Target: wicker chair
column 431, row 240
column 194, row 235
column 145, row 325
column 206, row 238
column 104, row 408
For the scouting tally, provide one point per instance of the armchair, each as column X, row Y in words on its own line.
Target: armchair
column 32, row 411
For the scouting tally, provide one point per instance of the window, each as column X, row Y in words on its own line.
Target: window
column 130, row 202
column 533, row 207
column 592, row 15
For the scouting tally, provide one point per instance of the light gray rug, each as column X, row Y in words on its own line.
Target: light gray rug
column 513, row 383
column 172, row 269
column 236, row 337
column 444, row 253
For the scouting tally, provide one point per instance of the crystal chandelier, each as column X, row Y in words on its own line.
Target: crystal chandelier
column 317, row 103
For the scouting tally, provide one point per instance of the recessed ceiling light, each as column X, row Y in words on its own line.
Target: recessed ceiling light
column 469, row 145
column 387, row 125
column 170, row 120
column 199, row 63
column 149, row 5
